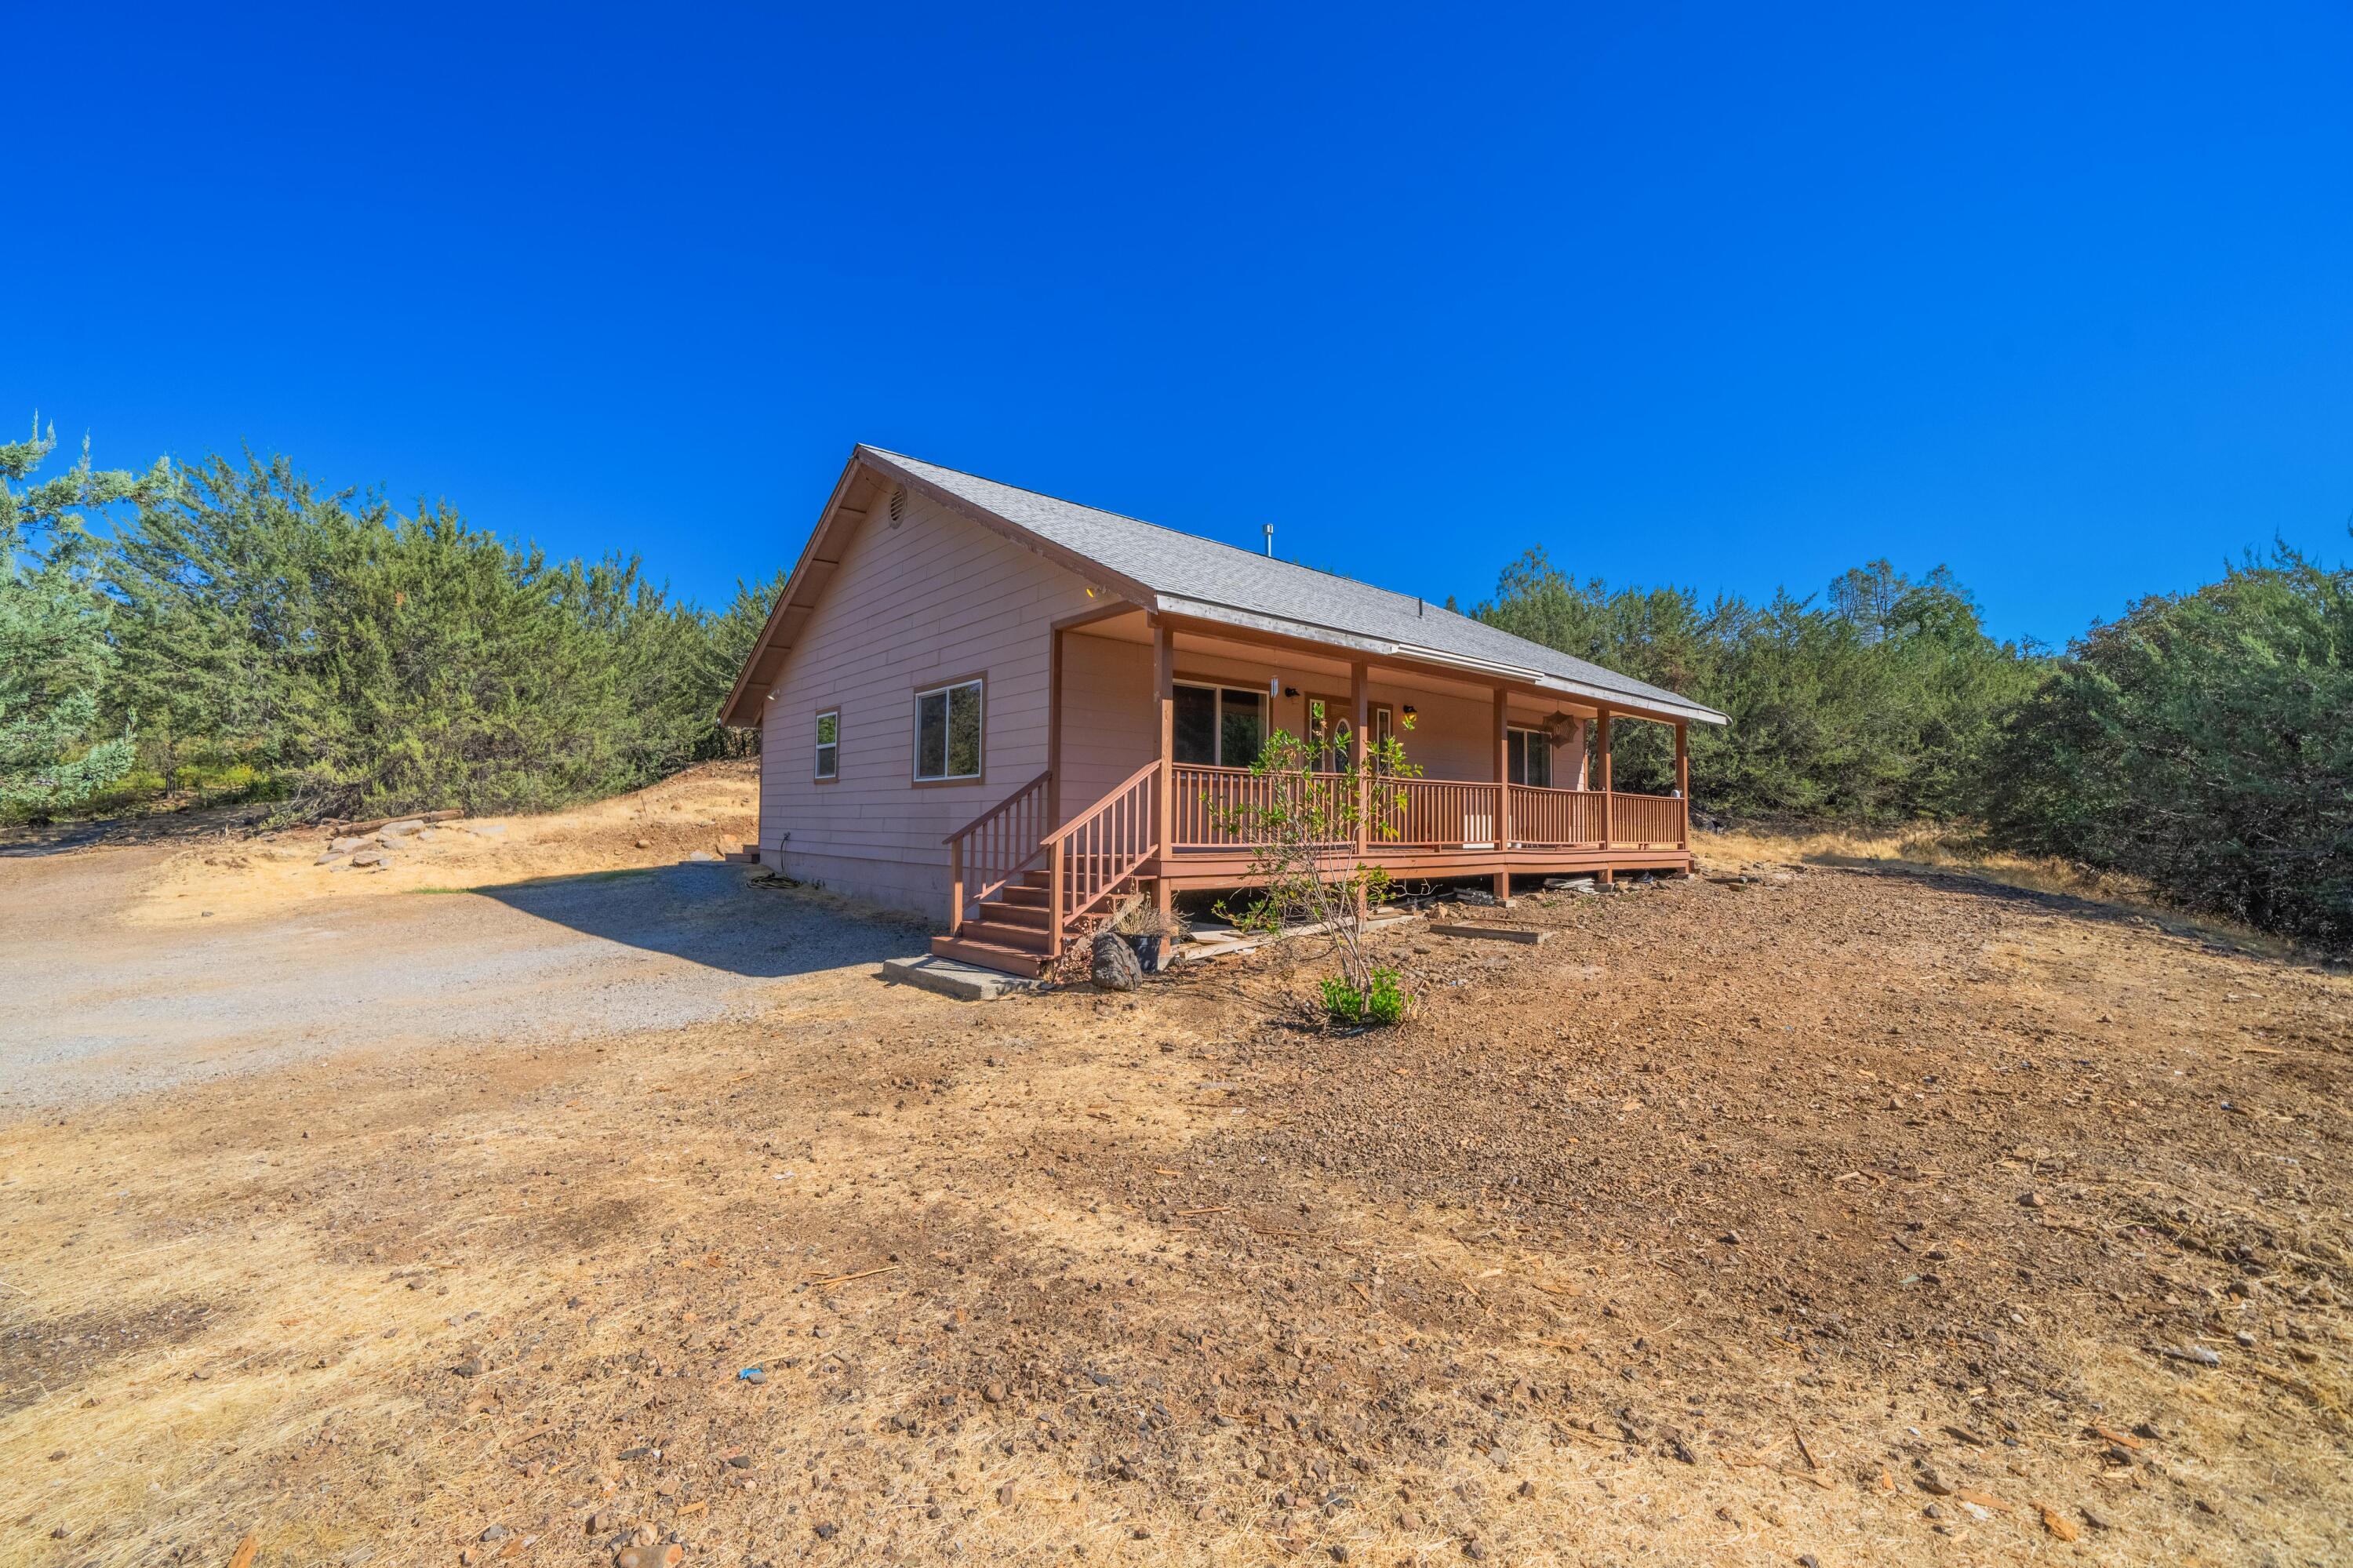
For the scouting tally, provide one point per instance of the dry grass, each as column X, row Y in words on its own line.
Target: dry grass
column 1162, row 1267
column 712, row 808
column 1954, row 849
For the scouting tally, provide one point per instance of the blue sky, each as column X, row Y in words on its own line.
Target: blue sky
column 1733, row 297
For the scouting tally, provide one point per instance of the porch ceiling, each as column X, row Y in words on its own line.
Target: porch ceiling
column 1303, row 665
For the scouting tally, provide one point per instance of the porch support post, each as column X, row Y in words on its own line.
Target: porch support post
column 1503, row 796
column 1601, row 746
column 1360, row 703
column 1164, row 789
column 1054, row 733
column 1054, row 871
column 1682, row 777
column 1360, row 708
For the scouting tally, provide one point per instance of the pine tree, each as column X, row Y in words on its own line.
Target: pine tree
column 2202, row 742
column 55, row 657
column 370, row 662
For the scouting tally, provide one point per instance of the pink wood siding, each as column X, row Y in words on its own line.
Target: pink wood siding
column 1111, row 726
column 935, row 597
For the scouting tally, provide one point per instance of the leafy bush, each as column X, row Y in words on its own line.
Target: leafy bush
column 1299, row 814
column 1344, row 1001
column 1382, row 1000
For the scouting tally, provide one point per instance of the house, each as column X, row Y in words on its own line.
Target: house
column 1003, row 710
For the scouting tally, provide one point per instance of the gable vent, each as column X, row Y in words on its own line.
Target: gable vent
column 897, row 505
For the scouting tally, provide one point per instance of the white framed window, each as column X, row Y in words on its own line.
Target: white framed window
column 827, row 764
column 948, row 723
column 1531, row 758
column 1218, row 726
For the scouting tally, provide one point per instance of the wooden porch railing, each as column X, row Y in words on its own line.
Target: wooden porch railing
column 1206, row 796
column 995, row 847
column 1437, row 813
column 1590, row 818
column 1646, row 821
column 1093, row 853
column 1556, row 819
column 1431, row 813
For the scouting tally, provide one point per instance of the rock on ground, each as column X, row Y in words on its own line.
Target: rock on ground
column 1114, row 964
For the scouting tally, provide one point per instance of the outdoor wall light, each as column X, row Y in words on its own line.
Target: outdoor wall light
column 1290, row 691
column 1410, row 710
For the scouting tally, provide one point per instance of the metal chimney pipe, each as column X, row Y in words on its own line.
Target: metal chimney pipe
column 1270, row 541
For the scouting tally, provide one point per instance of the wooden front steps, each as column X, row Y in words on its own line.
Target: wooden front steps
column 1010, row 934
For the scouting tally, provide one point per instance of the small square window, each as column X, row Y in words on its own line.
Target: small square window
column 828, row 744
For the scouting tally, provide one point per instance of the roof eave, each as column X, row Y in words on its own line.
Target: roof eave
column 740, row 708
column 1407, row 653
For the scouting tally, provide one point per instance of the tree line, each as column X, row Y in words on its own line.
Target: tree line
column 231, row 626
column 2202, row 742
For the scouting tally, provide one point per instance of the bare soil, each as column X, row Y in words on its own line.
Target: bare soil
column 711, row 811
column 166, row 958
column 1853, row 1216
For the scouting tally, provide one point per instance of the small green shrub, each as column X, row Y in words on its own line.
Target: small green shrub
column 1384, row 1002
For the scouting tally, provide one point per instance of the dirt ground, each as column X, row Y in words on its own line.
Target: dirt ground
column 706, row 811
column 1852, row 1215
column 194, row 950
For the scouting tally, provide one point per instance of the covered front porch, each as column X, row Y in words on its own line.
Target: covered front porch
column 1155, row 719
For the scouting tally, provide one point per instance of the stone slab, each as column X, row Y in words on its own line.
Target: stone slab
column 949, row 977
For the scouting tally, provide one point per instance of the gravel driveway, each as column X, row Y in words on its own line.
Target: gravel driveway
column 93, row 1006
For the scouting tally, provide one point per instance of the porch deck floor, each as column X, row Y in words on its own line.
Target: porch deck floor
column 1209, row 866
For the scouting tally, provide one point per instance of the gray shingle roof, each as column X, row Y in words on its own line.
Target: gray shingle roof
column 1203, row 576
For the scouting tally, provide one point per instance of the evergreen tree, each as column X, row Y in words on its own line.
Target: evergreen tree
column 2203, row 743
column 55, row 659
column 1871, row 709
column 374, row 662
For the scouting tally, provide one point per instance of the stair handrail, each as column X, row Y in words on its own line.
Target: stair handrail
column 998, row 810
column 1065, row 904
column 1015, row 836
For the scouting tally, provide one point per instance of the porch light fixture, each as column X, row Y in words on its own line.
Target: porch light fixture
column 1410, row 710
column 1290, row 691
